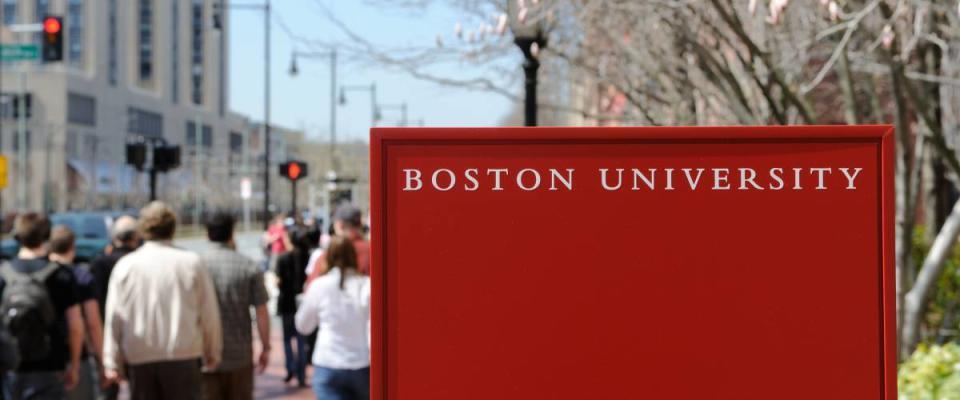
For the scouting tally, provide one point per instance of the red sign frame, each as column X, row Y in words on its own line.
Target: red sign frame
column 387, row 145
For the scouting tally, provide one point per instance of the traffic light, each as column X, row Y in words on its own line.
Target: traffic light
column 294, row 170
column 52, row 38
column 136, row 155
column 166, row 157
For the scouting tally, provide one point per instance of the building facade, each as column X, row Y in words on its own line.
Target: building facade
column 153, row 69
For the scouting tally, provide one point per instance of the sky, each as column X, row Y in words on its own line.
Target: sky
column 303, row 101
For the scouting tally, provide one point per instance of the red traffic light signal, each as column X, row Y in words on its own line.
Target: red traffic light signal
column 52, row 39
column 294, row 170
column 51, row 25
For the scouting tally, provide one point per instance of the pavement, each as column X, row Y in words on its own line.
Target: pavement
column 268, row 385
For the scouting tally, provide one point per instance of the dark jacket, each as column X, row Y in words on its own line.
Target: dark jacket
column 102, row 267
column 291, row 270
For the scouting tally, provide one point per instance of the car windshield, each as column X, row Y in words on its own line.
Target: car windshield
column 84, row 226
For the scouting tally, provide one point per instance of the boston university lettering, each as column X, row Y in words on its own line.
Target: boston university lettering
column 530, row 179
column 739, row 263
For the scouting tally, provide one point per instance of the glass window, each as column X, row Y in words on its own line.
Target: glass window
column 112, row 42
column 146, row 39
column 42, row 7
column 16, row 141
column 9, row 11
column 175, row 59
column 236, row 142
column 206, row 135
column 144, row 122
column 81, row 109
column 75, row 32
column 196, row 70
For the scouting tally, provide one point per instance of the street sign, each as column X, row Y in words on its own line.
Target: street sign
column 246, row 188
column 740, row 263
column 4, row 171
column 18, row 52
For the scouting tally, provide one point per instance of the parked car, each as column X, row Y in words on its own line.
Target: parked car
column 92, row 230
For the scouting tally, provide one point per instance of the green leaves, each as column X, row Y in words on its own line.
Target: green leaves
column 931, row 373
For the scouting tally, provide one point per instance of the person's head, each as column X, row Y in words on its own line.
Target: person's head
column 157, row 221
column 305, row 237
column 124, row 232
column 347, row 221
column 63, row 244
column 31, row 230
column 220, row 227
column 341, row 254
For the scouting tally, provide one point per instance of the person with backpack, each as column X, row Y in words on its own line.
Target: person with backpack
column 40, row 309
column 338, row 302
column 63, row 251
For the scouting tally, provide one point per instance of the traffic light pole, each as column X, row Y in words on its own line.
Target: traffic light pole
column 22, row 118
column 153, row 184
column 294, row 201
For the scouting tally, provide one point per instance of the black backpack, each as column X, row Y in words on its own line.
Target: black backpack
column 27, row 311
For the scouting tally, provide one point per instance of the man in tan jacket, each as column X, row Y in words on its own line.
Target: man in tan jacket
column 162, row 316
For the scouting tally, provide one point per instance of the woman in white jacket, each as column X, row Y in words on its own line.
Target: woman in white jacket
column 339, row 303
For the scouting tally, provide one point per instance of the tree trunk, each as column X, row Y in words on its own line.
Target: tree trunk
column 915, row 300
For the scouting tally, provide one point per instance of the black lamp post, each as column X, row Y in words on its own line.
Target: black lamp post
column 529, row 33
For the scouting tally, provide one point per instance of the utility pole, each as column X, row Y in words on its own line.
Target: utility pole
column 197, row 168
column 266, row 113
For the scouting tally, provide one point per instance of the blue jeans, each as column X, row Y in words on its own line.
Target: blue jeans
column 341, row 384
column 296, row 362
column 35, row 386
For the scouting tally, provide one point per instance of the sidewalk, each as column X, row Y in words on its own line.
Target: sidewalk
column 270, row 385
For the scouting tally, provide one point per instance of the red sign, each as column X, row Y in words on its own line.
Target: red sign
column 633, row 263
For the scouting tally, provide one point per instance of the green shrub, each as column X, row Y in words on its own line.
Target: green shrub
column 931, row 373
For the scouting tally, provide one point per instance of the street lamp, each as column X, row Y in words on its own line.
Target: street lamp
column 403, row 111
column 374, row 108
column 529, row 33
column 332, row 56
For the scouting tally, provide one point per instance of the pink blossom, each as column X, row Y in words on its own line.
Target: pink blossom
column 886, row 37
column 502, row 24
column 834, row 11
column 522, row 15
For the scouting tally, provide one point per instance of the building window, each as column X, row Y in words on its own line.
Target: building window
column 175, row 58
column 112, row 42
column 16, row 141
column 71, row 144
column 196, row 65
column 236, row 142
column 75, row 32
column 81, row 109
column 9, row 12
column 42, row 7
column 144, row 123
column 146, row 39
column 206, row 136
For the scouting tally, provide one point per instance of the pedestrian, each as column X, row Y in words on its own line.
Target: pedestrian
column 347, row 222
column 162, row 318
column 63, row 251
column 339, row 304
column 239, row 286
column 277, row 240
column 291, row 277
column 124, row 240
column 39, row 307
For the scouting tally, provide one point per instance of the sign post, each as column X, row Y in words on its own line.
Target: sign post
column 740, row 263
